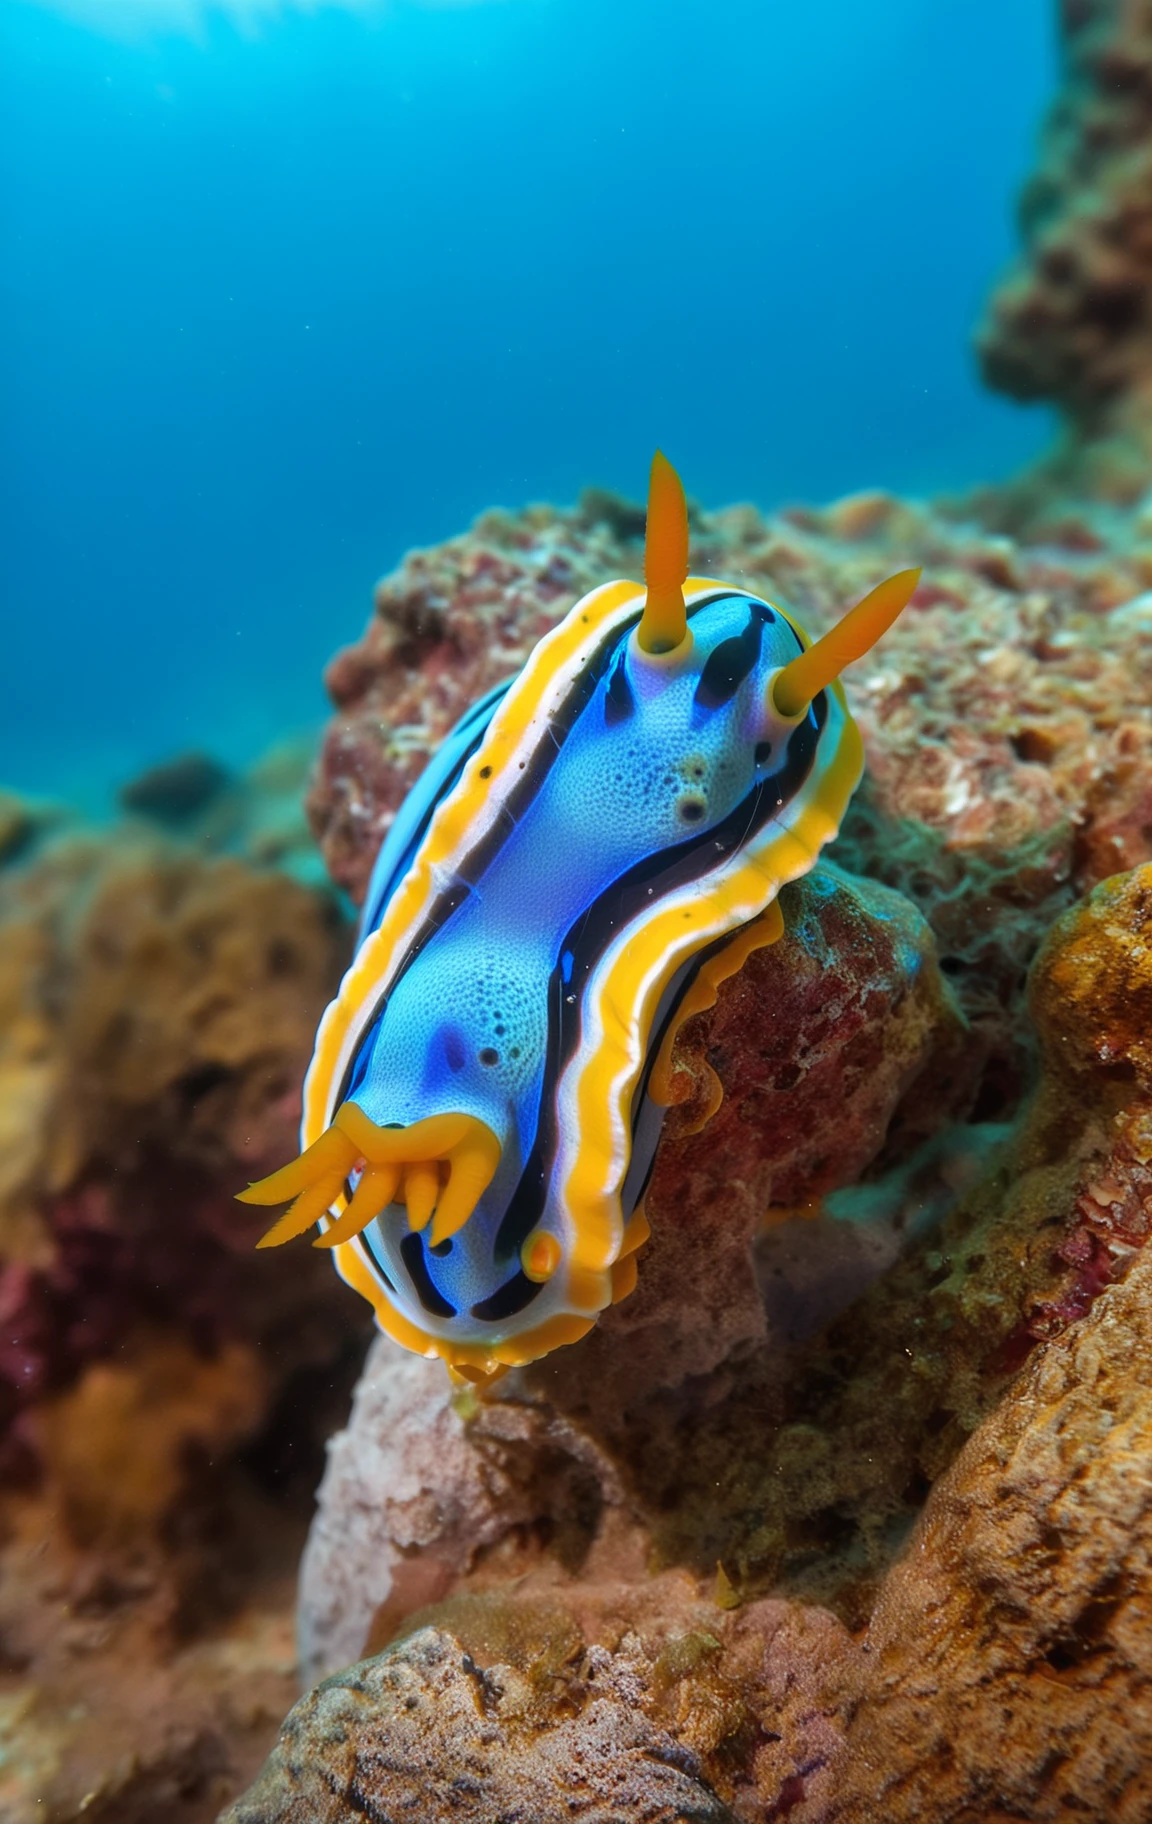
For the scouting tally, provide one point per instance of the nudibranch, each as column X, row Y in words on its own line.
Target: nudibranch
column 594, row 849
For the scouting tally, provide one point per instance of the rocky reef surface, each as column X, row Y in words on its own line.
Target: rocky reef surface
column 163, row 1401
column 844, row 1512
column 845, row 1509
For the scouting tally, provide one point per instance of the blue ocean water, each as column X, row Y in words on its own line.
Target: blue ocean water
column 289, row 288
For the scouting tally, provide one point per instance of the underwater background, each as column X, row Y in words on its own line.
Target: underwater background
column 335, row 343
column 289, row 289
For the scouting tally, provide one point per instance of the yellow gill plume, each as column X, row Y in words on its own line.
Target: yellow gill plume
column 440, row 1167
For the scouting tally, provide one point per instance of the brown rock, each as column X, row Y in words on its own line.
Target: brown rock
column 156, row 1013
column 1008, row 1665
column 1003, row 1654
column 110, row 1714
column 195, row 990
column 119, row 1443
column 1005, row 1671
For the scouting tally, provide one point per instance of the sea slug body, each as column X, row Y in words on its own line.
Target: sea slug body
column 594, row 849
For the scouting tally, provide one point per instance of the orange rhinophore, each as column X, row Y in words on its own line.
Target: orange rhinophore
column 664, row 621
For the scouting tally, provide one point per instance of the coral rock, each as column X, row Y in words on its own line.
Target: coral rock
column 1092, row 984
column 177, row 790
column 423, row 1731
column 164, row 1391
column 410, row 1496
column 1008, row 1666
column 1072, row 321
column 194, row 985
column 119, row 1443
column 1005, row 1668
column 156, row 1011
column 987, row 1395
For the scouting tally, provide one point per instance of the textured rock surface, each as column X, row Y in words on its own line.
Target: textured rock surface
column 412, row 1494
column 873, row 1321
column 1072, row 321
column 427, row 1733
column 163, row 1397
column 1005, row 1669
column 126, row 1697
column 1092, row 986
column 1009, row 1656
column 156, row 1008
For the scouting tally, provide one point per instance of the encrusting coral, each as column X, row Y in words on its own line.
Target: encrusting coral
column 422, row 1728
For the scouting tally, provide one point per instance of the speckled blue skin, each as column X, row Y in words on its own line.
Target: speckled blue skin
column 658, row 758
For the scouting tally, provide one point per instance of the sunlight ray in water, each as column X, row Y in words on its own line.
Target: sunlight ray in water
column 136, row 19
